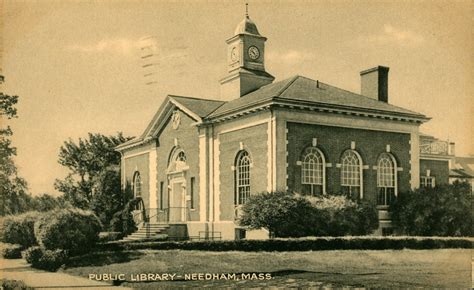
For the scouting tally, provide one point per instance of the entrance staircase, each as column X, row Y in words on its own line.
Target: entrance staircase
column 147, row 231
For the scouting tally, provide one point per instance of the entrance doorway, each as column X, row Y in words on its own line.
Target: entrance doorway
column 177, row 209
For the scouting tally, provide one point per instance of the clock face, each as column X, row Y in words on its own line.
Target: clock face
column 254, row 53
column 233, row 54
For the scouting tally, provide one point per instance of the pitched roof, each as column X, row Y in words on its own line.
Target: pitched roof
column 302, row 89
column 201, row 107
column 465, row 164
column 459, row 173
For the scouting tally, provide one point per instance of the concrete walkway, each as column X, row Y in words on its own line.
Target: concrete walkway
column 18, row 269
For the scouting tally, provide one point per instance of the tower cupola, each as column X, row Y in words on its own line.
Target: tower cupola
column 246, row 26
column 245, row 61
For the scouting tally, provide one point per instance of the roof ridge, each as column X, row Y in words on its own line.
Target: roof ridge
column 196, row 98
column 290, row 82
column 223, row 102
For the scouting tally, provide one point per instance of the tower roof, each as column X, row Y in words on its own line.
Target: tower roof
column 246, row 26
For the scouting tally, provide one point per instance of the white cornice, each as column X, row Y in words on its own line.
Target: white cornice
column 369, row 113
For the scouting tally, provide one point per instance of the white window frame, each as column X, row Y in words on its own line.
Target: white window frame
column 360, row 171
column 242, row 177
column 424, row 181
column 382, row 176
column 306, row 166
column 137, row 184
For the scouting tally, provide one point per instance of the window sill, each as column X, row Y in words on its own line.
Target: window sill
column 383, row 207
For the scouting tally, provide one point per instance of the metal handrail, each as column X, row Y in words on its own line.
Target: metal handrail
column 168, row 214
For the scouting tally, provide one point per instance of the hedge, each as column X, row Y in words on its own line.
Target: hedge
column 303, row 244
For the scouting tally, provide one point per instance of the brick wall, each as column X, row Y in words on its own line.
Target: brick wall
column 255, row 142
column 187, row 136
column 138, row 163
column 333, row 141
column 439, row 169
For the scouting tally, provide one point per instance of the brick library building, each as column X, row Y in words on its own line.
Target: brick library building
column 199, row 160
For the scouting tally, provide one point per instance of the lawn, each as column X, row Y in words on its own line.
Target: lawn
column 389, row 268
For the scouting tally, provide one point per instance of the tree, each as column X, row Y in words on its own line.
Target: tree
column 46, row 202
column 441, row 211
column 14, row 197
column 94, row 178
column 108, row 197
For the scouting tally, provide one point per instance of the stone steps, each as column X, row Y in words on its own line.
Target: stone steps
column 156, row 231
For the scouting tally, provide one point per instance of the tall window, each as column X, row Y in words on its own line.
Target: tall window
column 312, row 171
column 137, row 184
column 386, row 179
column 192, row 192
column 161, row 195
column 351, row 174
column 242, row 177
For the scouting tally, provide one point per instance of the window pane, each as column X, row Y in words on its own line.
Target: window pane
column 243, row 177
column 350, row 173
column 312, row 167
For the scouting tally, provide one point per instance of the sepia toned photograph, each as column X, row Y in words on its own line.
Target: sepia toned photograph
column 162, row 144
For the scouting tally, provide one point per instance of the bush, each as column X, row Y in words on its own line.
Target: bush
column 13, row 285
column 49, row 260
column 442, row 211
column 20, row 229
column 9, row 251
column 343, row 216
column 32, row 254
column 283, row 214
column 73, row 230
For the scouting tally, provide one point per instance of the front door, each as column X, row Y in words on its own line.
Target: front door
column 177, row 201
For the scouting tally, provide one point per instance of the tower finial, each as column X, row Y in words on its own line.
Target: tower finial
column 247, row 10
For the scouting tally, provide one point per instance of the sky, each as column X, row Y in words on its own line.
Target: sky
column 77, row 66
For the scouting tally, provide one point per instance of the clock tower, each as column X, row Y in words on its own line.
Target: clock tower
column 245, row 62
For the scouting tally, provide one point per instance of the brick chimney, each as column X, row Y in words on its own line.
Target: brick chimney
column 374, row 83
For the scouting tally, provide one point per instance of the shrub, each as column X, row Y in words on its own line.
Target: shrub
column 342, row 216
column 13, row 285
column 122, row 221
column 283, row 214
column 32, row 254
column 368, row 218
column 294, row 215
column 49, row 260
column 20, row 229
column 9, row 251
column 74, row 230
column 442, row 211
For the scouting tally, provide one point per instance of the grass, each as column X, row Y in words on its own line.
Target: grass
column 390, row 268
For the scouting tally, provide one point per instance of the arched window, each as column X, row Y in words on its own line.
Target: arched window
column 242, row 177
column 137, row 184
column 351, row 174
column 177, row 160
column 386, row 179
column 313, row 171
